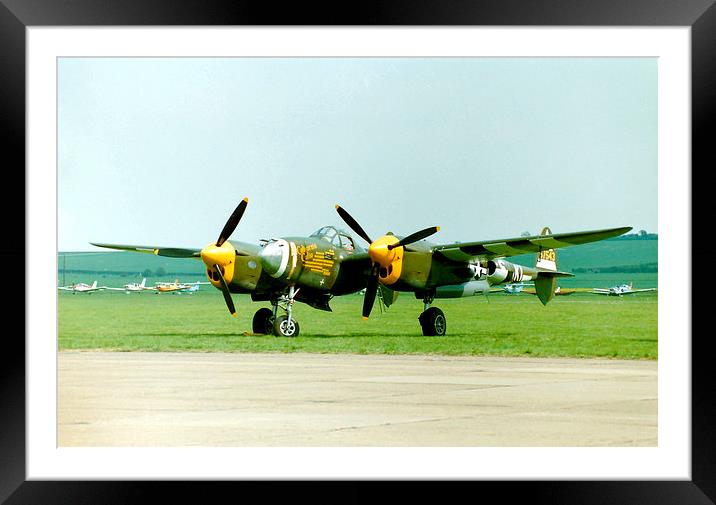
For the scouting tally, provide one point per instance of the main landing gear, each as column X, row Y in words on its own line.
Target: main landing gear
column 267, row 322
column 432, row 320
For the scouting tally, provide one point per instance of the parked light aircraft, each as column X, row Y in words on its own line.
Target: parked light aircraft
column 516, row 289
column 133, row 287
column 330, row 263
column 82, row 288
column 620, row 290
column 511, row 288
column 558, row 291
column 177, row 287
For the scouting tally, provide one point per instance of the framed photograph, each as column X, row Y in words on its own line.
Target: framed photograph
column 144, row 54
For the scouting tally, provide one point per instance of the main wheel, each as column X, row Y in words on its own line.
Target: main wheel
column 433, row 322
column 282, row 328
column 263, row 321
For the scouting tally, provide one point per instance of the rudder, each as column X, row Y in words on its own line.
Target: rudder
column 547, row 273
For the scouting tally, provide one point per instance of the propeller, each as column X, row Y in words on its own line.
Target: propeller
column 225, row 291
column 232, row 222
column 219, row 257
column 414, row 237
column 382, row 253
column 371, row 290
column 352, row 223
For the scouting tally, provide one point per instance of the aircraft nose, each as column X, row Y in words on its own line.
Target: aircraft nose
column 223, row 256
column 274, row 257
column 213, row 255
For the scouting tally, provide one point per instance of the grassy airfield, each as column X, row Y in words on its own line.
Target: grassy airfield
column 578, row 325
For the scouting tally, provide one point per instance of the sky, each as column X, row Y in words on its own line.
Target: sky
column 159, row 151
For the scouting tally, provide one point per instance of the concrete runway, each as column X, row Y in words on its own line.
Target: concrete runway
column 310, row 400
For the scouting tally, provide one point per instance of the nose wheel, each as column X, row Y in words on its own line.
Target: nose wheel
column 285, row 327
column 267, row 321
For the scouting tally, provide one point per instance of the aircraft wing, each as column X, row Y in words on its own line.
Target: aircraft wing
column 489, row 249
column 600, row 291
column 114, row 289
column 171, row 252
column 242, row 249
column 638, row 291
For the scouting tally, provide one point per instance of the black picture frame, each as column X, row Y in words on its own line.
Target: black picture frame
column 17, row 15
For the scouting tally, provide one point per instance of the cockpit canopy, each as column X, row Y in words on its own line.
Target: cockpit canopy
column 335, row 236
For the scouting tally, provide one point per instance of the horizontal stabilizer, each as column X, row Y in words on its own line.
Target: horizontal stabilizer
column 541, row 272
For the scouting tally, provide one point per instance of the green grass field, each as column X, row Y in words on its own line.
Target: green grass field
column 581, row 325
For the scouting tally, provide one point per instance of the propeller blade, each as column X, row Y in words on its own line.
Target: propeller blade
column 369, row 299
column 225, row 291
column 353, row 224
column 232, row 222
column 414, row 237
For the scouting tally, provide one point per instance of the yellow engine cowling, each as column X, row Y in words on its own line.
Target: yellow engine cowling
column 224, row 256
column 390, row 261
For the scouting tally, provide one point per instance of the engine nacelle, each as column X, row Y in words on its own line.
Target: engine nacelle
column 503, row 272
column 470, row 288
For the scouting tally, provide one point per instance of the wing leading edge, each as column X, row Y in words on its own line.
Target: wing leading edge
column 170, row 252
column 489, row 249
column 242, row 249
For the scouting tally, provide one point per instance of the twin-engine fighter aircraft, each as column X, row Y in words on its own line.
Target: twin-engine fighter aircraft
column 329, row 263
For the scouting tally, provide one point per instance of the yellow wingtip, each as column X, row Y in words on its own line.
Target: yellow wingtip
column 338, row 206
column 364, row 318
column 246, row 199
column 233, row 314
column 437, row 228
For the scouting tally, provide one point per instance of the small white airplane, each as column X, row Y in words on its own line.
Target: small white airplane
column 81, row 287
column 513, row 288
column 518, row 288
column 622, row 289
column 134, row 287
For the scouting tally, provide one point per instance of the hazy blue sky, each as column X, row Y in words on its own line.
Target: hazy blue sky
column 160, row 151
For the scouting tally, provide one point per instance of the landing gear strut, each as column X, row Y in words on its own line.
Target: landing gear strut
column 284, row 326
column 432, row 320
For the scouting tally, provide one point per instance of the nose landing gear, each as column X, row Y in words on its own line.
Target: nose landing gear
column 267, row 322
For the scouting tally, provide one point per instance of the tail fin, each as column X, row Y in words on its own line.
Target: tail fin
column 547, row 273
column 94, row 284
column 547, row 258
column 143, row 281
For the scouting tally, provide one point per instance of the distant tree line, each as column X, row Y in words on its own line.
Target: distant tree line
column 640, row 235
column 620, row 269
column 159, row 272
